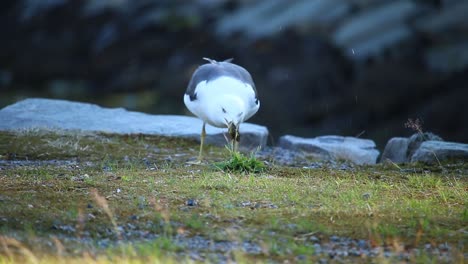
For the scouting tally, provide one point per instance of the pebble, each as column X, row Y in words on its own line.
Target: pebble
column 191, row 202
column 362, row 243
column 366, row 196
column 134, row 217
column 314, row 239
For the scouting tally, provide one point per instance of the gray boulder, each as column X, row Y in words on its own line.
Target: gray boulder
column 423, row 147
column 65, row 115
column 435, row 151
column 396, row 150
column 356, row 150
column 400, row 150
column 415, row 141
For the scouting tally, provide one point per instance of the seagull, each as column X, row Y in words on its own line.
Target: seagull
column 223, row 95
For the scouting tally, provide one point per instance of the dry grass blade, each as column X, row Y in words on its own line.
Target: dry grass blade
column 102, row 202
column 11, row 244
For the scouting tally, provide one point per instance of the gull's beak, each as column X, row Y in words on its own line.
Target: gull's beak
column 233, row 131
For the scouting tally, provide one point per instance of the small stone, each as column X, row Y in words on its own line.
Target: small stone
column 104, row 243
column 246, row 204
column 366, row 196
column 323, row 261
column 191, row 202
column 141, row 202
column 362, row 244
column 195, row 256
column 134, row 217
column 314, row 239
column 444, row 246
column 354, row 252
column 317, row 248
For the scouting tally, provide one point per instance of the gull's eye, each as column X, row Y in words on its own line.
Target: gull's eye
column 224, row 110
column 256, row 101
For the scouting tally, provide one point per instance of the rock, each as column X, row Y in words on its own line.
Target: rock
column 66, row 115
column 415, row 141
column 366, row 196
column 400, row 150
column 395, row 150
column 356, row 150
column 435, row 151
column 191, row 202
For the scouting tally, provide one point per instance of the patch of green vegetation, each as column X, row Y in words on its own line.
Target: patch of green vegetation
column 239, row 162
column 119, row 209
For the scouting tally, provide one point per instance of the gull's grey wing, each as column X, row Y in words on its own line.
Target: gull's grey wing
column 213, row 70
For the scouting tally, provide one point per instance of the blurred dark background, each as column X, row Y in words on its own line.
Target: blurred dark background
column 347, row 67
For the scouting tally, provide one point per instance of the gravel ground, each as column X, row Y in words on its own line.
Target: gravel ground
column 334, row 248
column 326, row 249
column 270, row 155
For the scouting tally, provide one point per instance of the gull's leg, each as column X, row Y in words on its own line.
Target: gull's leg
column 235, row 140
column 234, row 145
column 202, row 142
column 234, row 135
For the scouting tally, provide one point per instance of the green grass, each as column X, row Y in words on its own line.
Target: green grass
column 65, row 213
column 239, row 162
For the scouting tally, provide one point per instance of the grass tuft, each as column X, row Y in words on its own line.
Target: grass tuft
column 239, row 162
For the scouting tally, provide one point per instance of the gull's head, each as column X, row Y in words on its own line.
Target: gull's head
column 233, row 126
column 229, row 112
column 233, row 131
column 232, row 114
